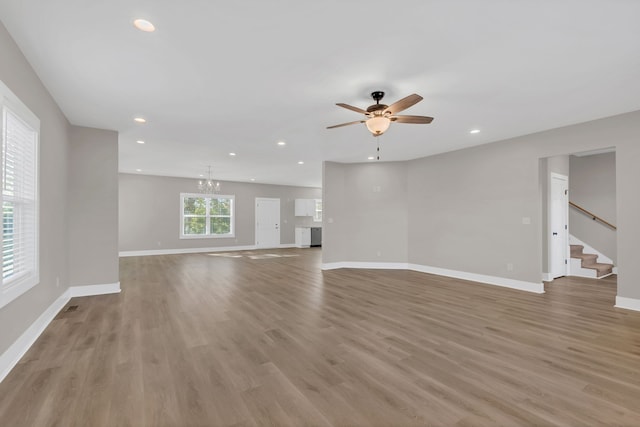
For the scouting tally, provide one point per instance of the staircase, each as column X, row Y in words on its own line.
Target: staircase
column 587, row 265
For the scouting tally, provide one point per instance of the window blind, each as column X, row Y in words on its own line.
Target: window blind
column 19, row 200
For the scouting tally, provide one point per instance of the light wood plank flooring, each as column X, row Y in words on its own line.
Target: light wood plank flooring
column 204, row 340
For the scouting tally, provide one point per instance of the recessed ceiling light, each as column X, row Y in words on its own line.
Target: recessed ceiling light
column 475, row 131
column 232, row 154
column 138, row 170
column 301, row 162
column 139, row 120
column 144, row 25
column 140, row 141
column 281, row 143
column 371, row 158
column 253, row 179
column 201, row 175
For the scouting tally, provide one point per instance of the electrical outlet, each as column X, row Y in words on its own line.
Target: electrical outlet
column 509, row 267
column 57, row 282
column 379, row 253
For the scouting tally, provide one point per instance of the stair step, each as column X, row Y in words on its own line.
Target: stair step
column 602, row 269
column 587, row 259
column 590, row 261
column 576, row 250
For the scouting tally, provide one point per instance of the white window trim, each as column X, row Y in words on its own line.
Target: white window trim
column 18, row 286
column 315, row 210
column 209, row 196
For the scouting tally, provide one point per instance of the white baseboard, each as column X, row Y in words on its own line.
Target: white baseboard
column 10, row 358
column 13, row 354
column 91, row 290
column 547, row 277
column 364, row 265
column 628, row 303
column 505, row 282
column 537, row 288
column 199, row 250
column 185, row 251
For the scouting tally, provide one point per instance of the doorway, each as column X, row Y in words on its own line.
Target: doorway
column 267, row 222
column 558, row 225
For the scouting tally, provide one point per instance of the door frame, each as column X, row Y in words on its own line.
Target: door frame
column 258, row 200
column 564, row 217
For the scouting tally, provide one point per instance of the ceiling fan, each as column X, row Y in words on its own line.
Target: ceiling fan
column 379, row 116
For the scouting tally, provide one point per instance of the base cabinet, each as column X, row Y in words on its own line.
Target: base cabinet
column 303, row 237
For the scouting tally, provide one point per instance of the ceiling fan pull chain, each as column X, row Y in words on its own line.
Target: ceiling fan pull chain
column 378, row 150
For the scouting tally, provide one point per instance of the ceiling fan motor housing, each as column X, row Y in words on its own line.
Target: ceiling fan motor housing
column 376, row 108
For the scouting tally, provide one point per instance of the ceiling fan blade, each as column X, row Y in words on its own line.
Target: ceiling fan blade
column 352, row 108
column 345, row 124
column 403, row 104
column 412, row 119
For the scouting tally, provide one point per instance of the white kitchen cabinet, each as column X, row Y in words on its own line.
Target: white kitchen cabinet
column 305, row 207
column 303, row 237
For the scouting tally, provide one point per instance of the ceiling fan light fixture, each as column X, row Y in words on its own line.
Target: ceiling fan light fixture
column 378, row 125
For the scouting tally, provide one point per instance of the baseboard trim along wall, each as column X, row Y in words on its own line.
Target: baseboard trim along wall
column 547, row 277
column 534, row 287
column 371, row 265
column 198, row 250
column 91, row 290
column 10, row 358
column 628, row 303
column 505, row 282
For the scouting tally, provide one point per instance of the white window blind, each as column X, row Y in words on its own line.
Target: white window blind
column 19, row 201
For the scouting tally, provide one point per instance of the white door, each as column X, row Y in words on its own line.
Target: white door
column 267, row 223
column 558, row 225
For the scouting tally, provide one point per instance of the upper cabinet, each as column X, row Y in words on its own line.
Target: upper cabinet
column 305, row 207
column 309, row 207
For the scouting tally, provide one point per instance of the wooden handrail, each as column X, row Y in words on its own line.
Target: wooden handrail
column 593, row 217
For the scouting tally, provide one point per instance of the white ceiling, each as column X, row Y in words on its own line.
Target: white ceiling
column 219, row 77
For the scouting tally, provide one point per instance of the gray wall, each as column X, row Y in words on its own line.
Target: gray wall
column 592, row 185
column 17, row 74
column 72, row 162
column 365, row 212
column 465, row 208
column 149, row 212
column 93, row 207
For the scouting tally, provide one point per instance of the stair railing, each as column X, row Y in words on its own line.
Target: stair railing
column 593, row 216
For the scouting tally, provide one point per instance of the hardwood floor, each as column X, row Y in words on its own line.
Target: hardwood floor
column 210, row 340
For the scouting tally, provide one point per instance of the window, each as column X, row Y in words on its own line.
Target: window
column 206, row 216
column 19, row 130
column 317, row 213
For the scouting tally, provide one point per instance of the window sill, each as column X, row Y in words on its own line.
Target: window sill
column 208, row 236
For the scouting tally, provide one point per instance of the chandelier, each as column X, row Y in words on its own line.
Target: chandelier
column 208, row 186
